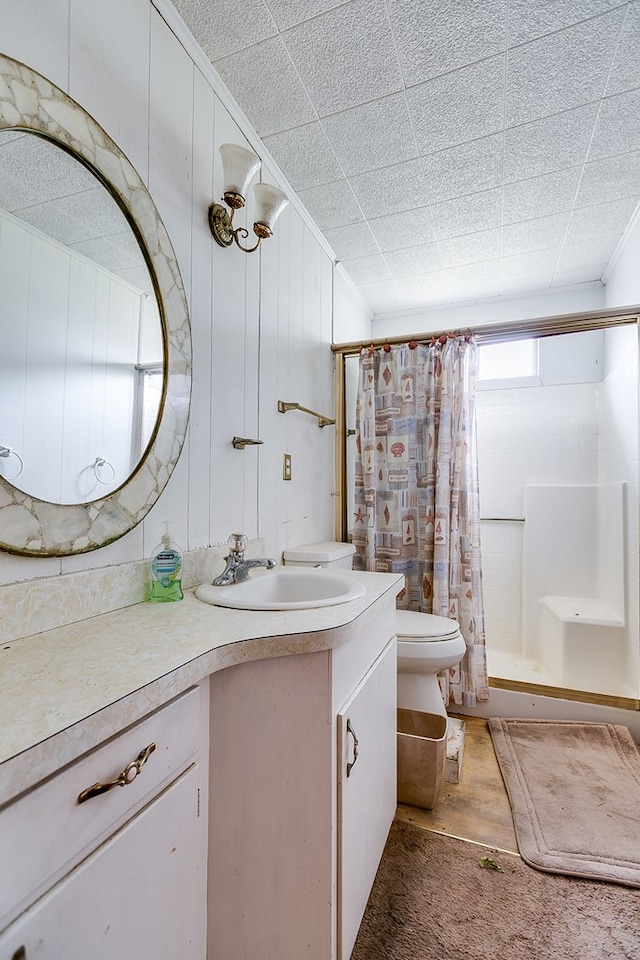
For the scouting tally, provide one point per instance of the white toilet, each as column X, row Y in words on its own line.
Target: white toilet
column 427, row 644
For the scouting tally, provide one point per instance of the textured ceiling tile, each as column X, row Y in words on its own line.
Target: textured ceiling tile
column 618, row 126
column 534, row 234
column 475, row 280
column 367, row 269
column 353, row 240
column 51, row 174
column 540, row 263
column 345, row 57
column 576, row 255
column 464, row 105
column 267, row 87
column 527, row 273
column 625, row 71
column 405, row 229
column 446, row 35
column 529, row 19
column 540, row 196
column 430, row 289
column 305, row 155
column 548, row 144
column 287, row 13
column 531, row 283
column 413, row 260
column 471, row 248
column 376, row 134
column 567, row 278
column 467, row 168
column 332, row 205
column 392, row 189
column 478, row 211
column 85, row 216
column 610, row 179
column 561, row 71
column 109, row 252
column 601, row 220
column 226, row 26
column 382, row 297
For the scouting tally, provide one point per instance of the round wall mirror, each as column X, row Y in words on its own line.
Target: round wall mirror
column 95, row 370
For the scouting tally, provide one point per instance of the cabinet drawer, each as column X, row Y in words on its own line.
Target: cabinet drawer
column 46, row 832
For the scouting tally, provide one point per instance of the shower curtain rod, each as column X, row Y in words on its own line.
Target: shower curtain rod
column 511, row 330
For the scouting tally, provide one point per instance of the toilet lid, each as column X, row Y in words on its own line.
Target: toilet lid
column 412, row 625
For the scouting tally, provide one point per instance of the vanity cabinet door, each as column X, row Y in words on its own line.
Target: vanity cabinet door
column 366, row 789
column 140, row 894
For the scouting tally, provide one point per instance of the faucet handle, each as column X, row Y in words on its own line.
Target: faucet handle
column 238, row 542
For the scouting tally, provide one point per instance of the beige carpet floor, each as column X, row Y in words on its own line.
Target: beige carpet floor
column 434, row 900
column 574, row 790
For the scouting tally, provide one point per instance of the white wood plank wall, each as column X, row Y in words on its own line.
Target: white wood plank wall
column 262, row 323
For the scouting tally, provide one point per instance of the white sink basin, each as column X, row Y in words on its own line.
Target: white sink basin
column 284, row 589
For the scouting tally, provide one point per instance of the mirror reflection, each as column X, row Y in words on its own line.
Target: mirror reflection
column 81, row 365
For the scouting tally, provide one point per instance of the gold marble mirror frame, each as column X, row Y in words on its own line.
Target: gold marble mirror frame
column 32, row 527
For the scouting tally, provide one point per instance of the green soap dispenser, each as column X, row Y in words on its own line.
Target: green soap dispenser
column 166, row 570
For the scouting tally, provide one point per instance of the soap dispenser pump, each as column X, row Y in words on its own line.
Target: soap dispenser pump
column 166, row 570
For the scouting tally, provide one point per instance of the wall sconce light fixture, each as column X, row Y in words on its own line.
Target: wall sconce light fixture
column 239, row 166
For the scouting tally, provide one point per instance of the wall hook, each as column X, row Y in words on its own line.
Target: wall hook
column 239, row 443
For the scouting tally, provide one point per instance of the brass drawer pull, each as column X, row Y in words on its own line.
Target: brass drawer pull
column 351, row 764
column 127, row 776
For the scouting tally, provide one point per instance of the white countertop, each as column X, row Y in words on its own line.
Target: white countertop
column 66, row 690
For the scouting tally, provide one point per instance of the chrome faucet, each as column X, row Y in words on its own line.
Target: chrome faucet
column 237, row 568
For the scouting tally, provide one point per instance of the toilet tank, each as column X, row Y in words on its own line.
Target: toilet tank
column 328, row 553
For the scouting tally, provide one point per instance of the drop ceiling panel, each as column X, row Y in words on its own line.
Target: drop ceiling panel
column 618, row 126
column 393, row 189
column 306, row 152
column 368, row 269
column 354, row 236
column 625, row 70
column 253, row 75
column 374, row 135
column 460, row 106
column 336, row 207
column 409, row 228
column 530, row 19
column 537, row 234
column 343, row 56
column 552, row 143
column 448, row 150
column 447, row 36
column 465, row 168
column 245, row 22
column 560, row 71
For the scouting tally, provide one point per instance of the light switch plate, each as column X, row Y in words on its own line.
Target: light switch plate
column 286, row 466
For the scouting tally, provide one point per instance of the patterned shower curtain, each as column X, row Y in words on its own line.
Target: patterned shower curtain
column 416, row 489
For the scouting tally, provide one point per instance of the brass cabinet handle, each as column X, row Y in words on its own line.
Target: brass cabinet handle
column 351, row 764
column 123, row 779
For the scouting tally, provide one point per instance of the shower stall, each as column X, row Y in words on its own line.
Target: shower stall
column 558, row 472
column 558, row 465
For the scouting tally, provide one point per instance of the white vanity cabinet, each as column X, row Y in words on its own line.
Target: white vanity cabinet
column 283, row 876
column 366, row 788
column 122, row 873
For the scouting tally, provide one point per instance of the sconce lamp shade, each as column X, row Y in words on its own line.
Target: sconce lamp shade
column 239, row 165
column 270, row 202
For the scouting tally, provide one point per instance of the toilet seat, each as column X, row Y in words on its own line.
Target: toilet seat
column 415, row 627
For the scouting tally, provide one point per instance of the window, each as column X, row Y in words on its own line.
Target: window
column 505, row 363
